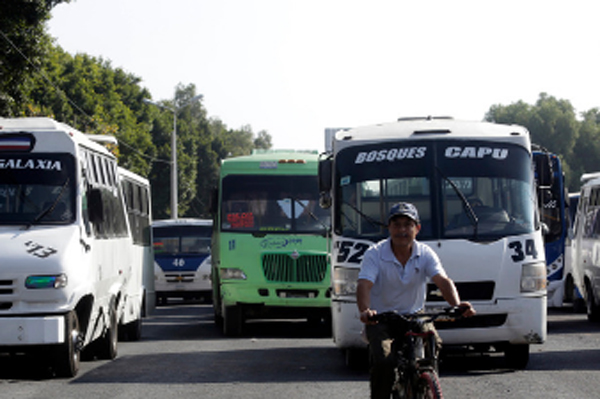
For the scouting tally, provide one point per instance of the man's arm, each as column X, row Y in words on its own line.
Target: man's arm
column 450, row 294
column 363, row 300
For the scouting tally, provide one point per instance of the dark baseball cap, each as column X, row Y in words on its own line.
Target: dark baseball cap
column 404, row 209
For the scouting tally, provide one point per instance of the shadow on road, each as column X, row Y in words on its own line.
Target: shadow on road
column 255, row 358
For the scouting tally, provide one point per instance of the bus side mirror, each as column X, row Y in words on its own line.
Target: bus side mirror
column 214, row 201
column 325, row 176
column 543, row 167
column 95, row 206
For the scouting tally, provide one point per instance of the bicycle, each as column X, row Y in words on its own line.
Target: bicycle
column 416, row 370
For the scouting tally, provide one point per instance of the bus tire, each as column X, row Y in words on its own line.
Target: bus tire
column 132, row 331
column 356, row 358
column 517, row 356
column 233, row 321
column 218, row 319
column 107, row 343
column 593, row 309
column 68, row 355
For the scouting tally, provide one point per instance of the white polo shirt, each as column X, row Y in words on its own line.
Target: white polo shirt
column 396, row 287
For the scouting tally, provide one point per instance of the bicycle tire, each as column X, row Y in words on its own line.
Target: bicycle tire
column 428, row 386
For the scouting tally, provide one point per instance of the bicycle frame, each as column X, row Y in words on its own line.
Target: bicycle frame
column 416, row 370
column 415, row 353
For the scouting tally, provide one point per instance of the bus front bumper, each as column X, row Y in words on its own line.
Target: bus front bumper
column 515, row 321
column 25, row 331
column 276, row 295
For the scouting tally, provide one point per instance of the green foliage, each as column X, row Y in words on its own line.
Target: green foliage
column 38, row 78
column 554, row 125
column 23, row 46
column 90, row 95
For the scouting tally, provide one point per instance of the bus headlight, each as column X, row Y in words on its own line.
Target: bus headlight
column 345, row 281
column 36, row 282
column 232, row 273
column 533, row 277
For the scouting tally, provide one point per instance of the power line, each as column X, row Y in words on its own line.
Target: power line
column 73, row 104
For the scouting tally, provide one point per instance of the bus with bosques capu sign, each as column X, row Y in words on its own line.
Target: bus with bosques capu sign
column 473, row 185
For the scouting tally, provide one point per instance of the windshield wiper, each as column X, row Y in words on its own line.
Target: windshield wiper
column 49, row 209
column 465, row 203
column 373, row 222
column 311, row 214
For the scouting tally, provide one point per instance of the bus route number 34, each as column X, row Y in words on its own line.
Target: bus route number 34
column 520, row 251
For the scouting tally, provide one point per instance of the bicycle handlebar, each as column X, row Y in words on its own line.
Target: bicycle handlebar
column 452, row 312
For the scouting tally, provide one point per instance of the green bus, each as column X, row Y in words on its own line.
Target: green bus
column 269, row 245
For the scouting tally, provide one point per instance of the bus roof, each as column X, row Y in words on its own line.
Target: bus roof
column 433, row 129
column 281, row 161
column 46, row 141
column 587, row 177
column 182, row 222
column 133, row 176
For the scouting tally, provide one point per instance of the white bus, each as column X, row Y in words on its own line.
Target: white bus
column 69, row 276
column 182, row 258
column 494, row 253
column 136, row 192
column 584, row 250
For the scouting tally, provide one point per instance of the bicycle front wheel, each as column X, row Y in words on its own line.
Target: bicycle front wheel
column 428, row 386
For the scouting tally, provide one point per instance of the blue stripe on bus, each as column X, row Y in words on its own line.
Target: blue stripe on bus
column 182, row 263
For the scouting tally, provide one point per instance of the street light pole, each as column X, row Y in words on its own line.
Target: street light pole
column 174, row 110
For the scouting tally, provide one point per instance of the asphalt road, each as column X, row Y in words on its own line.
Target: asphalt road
column 182, row 354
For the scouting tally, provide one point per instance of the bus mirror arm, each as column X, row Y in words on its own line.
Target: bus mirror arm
column 545, row 229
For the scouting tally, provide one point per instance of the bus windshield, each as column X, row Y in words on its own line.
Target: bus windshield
column 181, row 240
column 261, row 203
column 37, row 189
column 473, row 192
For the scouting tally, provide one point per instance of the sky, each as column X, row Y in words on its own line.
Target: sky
column 296, row 67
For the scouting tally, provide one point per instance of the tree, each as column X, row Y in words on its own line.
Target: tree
column 90, row 95
column 587, row 146
column 263, row 141
column 552, row 124
column 191, row 127
column 23, row 46
column 38, row 78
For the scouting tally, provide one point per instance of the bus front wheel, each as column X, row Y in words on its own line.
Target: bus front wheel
column 233, row 321
column 67, row 357
column 107, row 343
column 593, row 309
column 517, row 356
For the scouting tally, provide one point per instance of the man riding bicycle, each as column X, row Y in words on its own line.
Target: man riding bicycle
column 393, row 277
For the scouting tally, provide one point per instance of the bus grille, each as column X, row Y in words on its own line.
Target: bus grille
column 6, row 288
column 305, row 269
column 468, row 291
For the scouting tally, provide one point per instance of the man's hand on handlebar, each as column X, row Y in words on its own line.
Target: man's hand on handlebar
column 466, row 309
column 366, row 316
